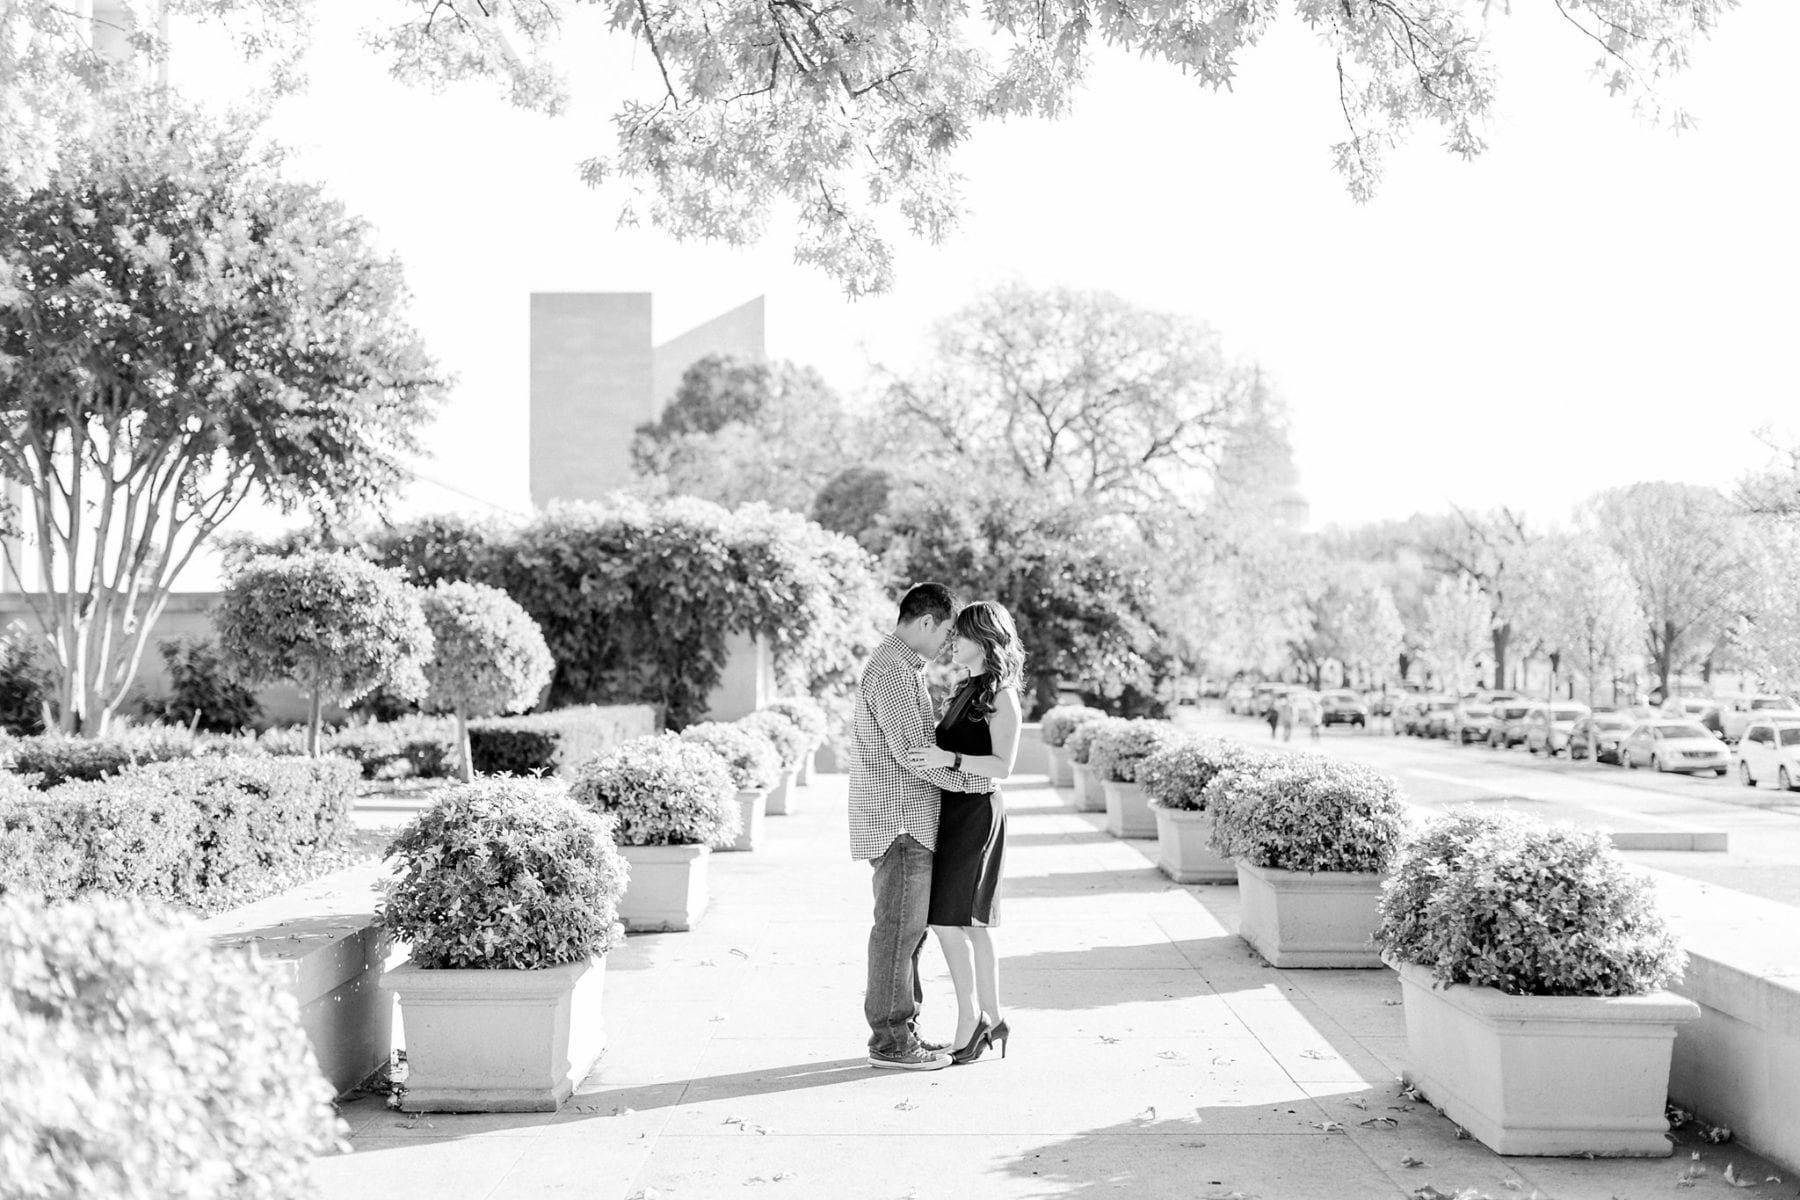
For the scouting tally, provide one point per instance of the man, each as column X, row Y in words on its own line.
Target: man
column 894, row 820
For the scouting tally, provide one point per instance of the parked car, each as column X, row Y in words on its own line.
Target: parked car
column 1737, row 712
column 1702, row 710
column 1238, row 699
column 1470, row 722
column 1770, row 749
column 1506, row 727
column 1342, row 706
column 1548, row 726
column 1440, row 716
column 1386, row 702
column 1602, row 737
column 1685, row 746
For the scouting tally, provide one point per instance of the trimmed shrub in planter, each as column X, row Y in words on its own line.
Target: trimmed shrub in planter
column 1116, row 752
column 1090, row 789
column 1055, row 727
column 754, row 768
column 23, row 683
column 673, row 800
column 1175, row 779
column 554, row 742
column 508, row 893
column 790, row 744
column 490, row 658
column 810, row 716
column 1313, row 838
column 1532, row 962
column 140, row 1065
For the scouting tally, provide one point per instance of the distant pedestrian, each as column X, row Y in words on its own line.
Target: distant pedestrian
column 1273, row 716
column 1307, row 713
column 1284, row 714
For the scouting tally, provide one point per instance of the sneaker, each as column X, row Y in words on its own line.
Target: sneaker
column 916, row 1059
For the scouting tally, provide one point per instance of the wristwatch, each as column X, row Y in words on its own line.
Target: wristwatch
column 956, row 763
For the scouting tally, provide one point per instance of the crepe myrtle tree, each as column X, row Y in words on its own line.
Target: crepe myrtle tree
column 490, row 658
column 333, row 625
column 850, row 116
column 181, row 328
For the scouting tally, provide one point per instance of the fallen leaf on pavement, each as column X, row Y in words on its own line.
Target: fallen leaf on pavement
column 1170, row 1054
column 1328, row 1126
column 1108, row 1040
column 1716, row 1134
column 1513, row 1185
column 1223, row 1061
column 1358, row 1102
column 907, row 1105
column 1410, row 1161
column 1149, row 1114
column 1316, row 1054
column 1380, row 1123
column 1735, row 1180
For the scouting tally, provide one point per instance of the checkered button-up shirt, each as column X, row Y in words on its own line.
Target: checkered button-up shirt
column 894, row 716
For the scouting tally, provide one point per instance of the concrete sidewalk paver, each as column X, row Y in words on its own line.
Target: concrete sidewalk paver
column 1155, row 1056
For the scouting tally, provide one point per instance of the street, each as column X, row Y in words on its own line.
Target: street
column 1761, row 826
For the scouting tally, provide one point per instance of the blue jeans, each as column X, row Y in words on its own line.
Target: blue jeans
column 902, row 904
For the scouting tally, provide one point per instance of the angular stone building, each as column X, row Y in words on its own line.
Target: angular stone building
column 596, row 376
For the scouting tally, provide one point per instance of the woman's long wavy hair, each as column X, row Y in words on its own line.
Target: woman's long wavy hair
column 990, row 625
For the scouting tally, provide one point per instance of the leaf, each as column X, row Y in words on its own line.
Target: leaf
column 1734, row 1180
column 907, row 1105
column 1328, row 1126
column 1170, row 1054
column 1410, row 1161
column 1149, row 1114
column 1716, row 1134
column 1381, row 1123
column 1316, row 1054
column 1358, row 1102
column 1108, row 1039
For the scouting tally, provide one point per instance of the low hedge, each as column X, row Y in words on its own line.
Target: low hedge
column 139, row 1065
column 409, row 747
column 1176, row 776
column 194, row 833
column 1060, row 721
column 57, row 758
column 554, row 742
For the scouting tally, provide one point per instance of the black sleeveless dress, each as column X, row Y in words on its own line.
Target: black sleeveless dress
column 971, row 837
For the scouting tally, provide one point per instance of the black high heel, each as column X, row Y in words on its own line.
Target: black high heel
column 978, row 1041
column 1001, row 1032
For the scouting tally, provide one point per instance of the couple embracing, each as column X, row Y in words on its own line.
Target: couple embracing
column 926, row 812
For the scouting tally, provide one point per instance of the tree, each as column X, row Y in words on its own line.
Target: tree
column 850, row 115
column 1684, row 548
column 490, row 658
column 739, row 431
column 182, row 327
column 1767, row 635
column 1481, row 546
column 852, row 503
column 1458, row 630
column 333, row 625
column 1081, row 396
column 1578, row 603
column 1078, row 592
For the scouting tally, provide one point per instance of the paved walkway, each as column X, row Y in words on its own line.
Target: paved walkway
column 1154, row 1056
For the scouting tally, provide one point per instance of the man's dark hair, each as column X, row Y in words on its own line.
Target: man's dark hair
column 927, row 600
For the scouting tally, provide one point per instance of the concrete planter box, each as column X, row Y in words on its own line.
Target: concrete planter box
column 1309, row 919
column 1128, row 810
column 498, row 1041
column 667, row 889
column 1546, row 1075
column 782, row 801
column 752, row 806
column 1184, row 847
column 1060, row 774
column 1090, row 790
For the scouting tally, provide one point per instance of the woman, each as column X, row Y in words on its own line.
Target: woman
column 979, row 735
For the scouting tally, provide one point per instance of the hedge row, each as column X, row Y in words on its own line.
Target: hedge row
column 192, row 833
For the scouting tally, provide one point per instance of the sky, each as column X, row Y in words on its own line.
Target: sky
column 1593, row 302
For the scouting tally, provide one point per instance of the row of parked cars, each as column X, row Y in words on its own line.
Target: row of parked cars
column 1675, row 737
column 1688, row 734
